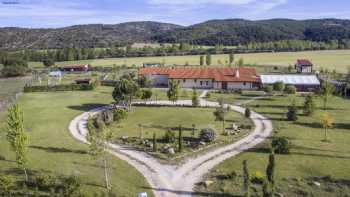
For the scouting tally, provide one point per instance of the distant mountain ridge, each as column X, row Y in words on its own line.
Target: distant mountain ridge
column 225, row 32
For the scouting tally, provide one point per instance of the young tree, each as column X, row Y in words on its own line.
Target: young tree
column 208, row 59
column 270, row 174
column 180, row 139
column 48, row 62
column 17, row 137
column 154, row 142
column 279, row 86
column 327, row 123
column 247, row 112
column 246, row 179
column 195, row 99
column 309, row 105
column 201, row 60
column 220, row 114
column 292, row 114
column 98, row 138
column 125, row 90
column 240, row 62
column 173, row 92
column 146, row 94
column 327, row 91
column 231, row 57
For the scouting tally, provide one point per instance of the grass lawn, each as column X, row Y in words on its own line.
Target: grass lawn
column 234, row 98
column 161, row 94
column 52, row 149
column 67, row 78
column 159, row 120
column 309, row 158
column 331, row 59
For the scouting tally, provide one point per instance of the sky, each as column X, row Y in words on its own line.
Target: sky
column 61, row 13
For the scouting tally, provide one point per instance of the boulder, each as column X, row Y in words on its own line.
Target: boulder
column 171, row 151
column 208, row 183
column 318, row 184
column 202, row 143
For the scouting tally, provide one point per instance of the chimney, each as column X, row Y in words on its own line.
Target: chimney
column 237, row 73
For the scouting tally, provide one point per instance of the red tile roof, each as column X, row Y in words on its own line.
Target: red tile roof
column 304, row 62
column 76, row 66
column 217, row 74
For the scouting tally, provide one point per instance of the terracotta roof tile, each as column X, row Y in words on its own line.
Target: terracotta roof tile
column 304, row 62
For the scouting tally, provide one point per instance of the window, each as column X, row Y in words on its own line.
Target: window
column 207, row 83
column 195, row 80
column 201, row 83
column 244, row 83
column 184, row 80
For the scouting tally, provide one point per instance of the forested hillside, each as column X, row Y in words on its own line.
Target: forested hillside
column 215, row 32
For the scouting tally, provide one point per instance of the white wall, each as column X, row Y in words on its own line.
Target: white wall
column 239, row 85
column 196, row 83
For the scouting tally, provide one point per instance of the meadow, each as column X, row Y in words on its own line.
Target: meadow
column 52, row 150
column 311, row 159
column 328, row 59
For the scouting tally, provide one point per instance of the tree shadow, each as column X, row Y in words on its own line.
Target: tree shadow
column 58, row 150
column 342, row 126
column 86, row 107
column 317, row 149
column 319, row 155
column 314, row 125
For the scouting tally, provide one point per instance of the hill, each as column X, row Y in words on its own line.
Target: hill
column 225, row 32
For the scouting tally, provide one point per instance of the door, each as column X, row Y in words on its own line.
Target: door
column 224, row 85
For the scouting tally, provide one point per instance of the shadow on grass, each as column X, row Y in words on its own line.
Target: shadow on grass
column 317, row 125
column 187, row 193
column 58, row 150
column 86, row 107
column 319, row 155
column 317, row 149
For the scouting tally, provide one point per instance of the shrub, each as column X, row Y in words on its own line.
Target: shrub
column 309, row 105
column 69, row 87
column 45, row 181
column 146, row 94
column 207, row 135
column 247, row 112
column 281, row 145
column 290, row 89
column 208, row 95
column 258, row 178
column 269, row 89
column 278, row 86
column 292, row 112
column 119, row 114
column 6, row 184
column 2, row 158
column 169, row 136
column 107, row 117
column 71, row 185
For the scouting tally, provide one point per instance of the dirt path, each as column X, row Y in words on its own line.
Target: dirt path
column 171, row 180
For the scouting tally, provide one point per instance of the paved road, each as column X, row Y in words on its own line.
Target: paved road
column 178, row 181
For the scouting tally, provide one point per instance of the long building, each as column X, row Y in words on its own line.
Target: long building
column 203, row 78
column 305, row 83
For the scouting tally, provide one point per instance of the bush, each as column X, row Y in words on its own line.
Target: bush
column 247, row 112
column 292, row 114
column 278, row 86
column 258, row 178
column 169, row 136
column 208, row 95
column 107, row 117
column 119, row 114
column 290, row 89
column 6, row 184
column 207, row 135
column 269, row 89
column 45, row 181
column 281, row 145
column 2, row 158
column 71, row 185
column 69, row 87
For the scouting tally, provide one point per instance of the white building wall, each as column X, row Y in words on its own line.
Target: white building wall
column 239, row 85
column 196, row 83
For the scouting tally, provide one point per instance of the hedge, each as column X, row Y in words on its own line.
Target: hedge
column 110, row 83
column 69, row 87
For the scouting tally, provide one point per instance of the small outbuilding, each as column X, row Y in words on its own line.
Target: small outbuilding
column 75, row 68
column 304, row 66
column 152, row 64
column 303, row 83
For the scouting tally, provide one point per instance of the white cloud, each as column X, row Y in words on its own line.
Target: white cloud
column 197, row 2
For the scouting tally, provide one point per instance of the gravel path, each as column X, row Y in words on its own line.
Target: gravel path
column 171, row 180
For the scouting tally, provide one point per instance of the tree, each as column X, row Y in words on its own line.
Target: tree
column 180, row 139
column 240, row 62
column 98, row 138
column 201, row 60
column 220, row 114
column 208, row 59
column 146, row 94
column 231, row 57
column 144, row 82
column 17, row 137
column 125, row 90
column 154, row 142
column 195, row 100
column 292, row 114
column 173, row 91
column 247, row 112
column 246, row 179
column 6, row 184
column 14, row 67
column 290, row 89
column 327, row 91
column 270, row 174
column 327, row 123
column 278, row 86
column 48, row 62
column 309, row 105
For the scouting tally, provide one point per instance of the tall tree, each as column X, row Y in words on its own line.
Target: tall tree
column 270, row 174
column 173, row 91
column 195, row 100
column 17, row 137
column 246, row 179
column 125, row 90
column 98, row 138
column 201, row 60
column 208, row 59
column 327, row 123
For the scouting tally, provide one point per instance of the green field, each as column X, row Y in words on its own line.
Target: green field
column 336, row 59
column 53, row 150
column 310, row 158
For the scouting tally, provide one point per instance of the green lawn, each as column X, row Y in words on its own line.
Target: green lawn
column 161, row 94
column 52, row 149
column 309, row 158
column 331, row 59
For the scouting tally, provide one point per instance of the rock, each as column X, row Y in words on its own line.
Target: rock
column 279, row 195
column 125, row 138
column 208, row 183
column 202, row 143
column 318, row 184
column 171, row 151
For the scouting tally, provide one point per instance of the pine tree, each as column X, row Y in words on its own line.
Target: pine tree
column 173, row 92
column 208, row 59
column 180, row 140
column 247, row 112
column 292, row 114
column 270, row 174
column 17, row 137
column 246, row 179
column 201, row 60
column 195, row 100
